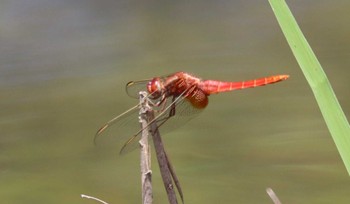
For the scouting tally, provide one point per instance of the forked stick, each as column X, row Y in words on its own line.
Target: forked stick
column 147, row 120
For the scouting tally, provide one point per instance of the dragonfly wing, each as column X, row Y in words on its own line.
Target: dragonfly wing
column 119, row 129
column 166, row 121
column 177, row 109
column 184, row 112
column 131, row 144
column 134, row 87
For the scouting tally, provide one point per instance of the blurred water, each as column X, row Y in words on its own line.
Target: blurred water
column 64, row 65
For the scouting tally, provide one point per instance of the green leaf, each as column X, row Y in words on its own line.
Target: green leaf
column 317, row 79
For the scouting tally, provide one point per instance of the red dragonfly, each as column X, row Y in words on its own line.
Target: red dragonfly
column 179, row 96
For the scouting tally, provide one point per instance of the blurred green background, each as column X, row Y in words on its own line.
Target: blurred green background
column 64, row 65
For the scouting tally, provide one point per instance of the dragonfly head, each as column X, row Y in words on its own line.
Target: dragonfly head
column 155, row 87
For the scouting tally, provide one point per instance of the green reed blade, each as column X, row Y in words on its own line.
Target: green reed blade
column 317, row 79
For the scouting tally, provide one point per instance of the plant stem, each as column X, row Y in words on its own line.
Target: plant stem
column 145, row 154
column 163, row 162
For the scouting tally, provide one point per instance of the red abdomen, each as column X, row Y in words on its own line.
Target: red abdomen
column 211, row 86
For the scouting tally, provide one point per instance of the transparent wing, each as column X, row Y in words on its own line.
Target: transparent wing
column 178, row 112
column 116, row 131
column 126, row 129
column 133, row 88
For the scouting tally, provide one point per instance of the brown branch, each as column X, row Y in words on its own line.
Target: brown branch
column 147, row 119
column 173, row 174
column 165, row 170
column 145, row 154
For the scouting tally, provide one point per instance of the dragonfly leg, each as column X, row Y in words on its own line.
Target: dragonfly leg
column 162, row 102
column 172, row 109
column 175, row 100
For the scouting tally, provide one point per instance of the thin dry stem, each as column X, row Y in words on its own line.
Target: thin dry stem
column 163, row 161
column 273, row 196
column 145, row 154
column 93, row 198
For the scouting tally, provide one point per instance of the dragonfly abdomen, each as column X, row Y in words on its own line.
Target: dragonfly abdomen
column 212, row 86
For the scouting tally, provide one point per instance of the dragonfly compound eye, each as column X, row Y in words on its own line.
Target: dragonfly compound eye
column 154, row 87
